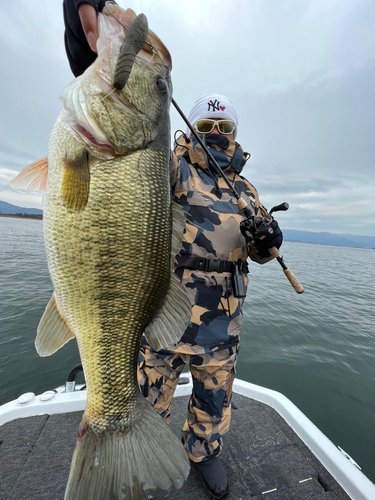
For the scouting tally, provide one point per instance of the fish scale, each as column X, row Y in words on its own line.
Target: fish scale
column 122, row 305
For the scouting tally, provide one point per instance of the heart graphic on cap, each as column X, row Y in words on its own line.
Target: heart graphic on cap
column 222, row 108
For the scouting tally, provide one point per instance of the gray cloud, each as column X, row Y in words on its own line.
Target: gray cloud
column 301, row 75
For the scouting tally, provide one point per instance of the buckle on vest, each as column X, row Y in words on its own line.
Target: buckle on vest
column 245, row 267
column 210, row 265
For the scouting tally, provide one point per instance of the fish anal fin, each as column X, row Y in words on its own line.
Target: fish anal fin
column 76, row 180
column 53, row 331
column 32, row 178
column 171, row 321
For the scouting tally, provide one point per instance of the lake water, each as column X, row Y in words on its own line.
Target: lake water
column 317, row 348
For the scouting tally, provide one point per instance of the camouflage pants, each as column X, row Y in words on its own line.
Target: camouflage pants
column 209, row 409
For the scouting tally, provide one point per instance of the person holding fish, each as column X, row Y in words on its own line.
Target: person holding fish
column 214, row 250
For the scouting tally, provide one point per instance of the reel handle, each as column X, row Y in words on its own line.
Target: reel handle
column 280, row 208
column 288, row 273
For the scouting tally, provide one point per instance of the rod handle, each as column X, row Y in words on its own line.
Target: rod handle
column 241, row 203
column 293, row 281
column 274, row 252
column 288, row 273
column 247, row 209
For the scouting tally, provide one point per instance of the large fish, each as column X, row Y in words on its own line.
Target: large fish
column 111, row 234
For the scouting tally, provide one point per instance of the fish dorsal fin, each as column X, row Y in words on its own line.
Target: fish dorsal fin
column 53, row 331
column 32, row 178
column 171, row 321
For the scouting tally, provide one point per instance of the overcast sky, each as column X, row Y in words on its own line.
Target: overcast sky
column 301, row 75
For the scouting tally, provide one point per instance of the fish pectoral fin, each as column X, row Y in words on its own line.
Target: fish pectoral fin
column 169, row 324
column 32, row 178
column 178, row 227
column 76, row 179
column 53, row 331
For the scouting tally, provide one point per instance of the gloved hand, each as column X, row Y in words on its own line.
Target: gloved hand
column 81, row 32
column 271, row 240
column 275, row 239
column 247, row 228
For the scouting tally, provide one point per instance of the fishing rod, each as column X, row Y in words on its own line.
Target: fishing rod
column 258, row 226
column 135, row 38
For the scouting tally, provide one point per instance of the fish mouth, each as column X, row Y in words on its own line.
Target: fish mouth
column 87, row 136
column 97, row 136
column 106, row 150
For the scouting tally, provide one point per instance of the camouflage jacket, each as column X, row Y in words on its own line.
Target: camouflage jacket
column 212, row 231
column 212, row 211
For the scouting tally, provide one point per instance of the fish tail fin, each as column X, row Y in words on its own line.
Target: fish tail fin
column 143, row 461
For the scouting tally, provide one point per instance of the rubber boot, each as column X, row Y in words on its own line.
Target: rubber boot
column 214, row 478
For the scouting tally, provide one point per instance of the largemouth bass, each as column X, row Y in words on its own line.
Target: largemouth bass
column 111, row 234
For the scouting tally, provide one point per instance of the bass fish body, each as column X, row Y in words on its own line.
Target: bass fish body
column 111, row 234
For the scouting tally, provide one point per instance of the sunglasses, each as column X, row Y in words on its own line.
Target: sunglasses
column 206, row 126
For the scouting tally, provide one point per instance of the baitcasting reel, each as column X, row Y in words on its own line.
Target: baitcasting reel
column 256, row 226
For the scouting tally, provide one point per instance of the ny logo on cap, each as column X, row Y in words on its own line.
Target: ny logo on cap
column 215, row 107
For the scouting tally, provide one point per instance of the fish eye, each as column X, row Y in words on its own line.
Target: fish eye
column 161, row 85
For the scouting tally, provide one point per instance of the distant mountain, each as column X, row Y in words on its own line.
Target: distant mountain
column 342, row 240
column 7, row 208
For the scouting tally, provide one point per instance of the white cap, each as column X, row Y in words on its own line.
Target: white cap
column 215, row 106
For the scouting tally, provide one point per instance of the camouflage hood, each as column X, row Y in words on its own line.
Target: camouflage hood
column 228, row 154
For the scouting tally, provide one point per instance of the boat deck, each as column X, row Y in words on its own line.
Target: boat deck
column 263, row 457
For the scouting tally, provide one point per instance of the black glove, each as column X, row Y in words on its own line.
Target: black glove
column 77, row 49
column 248, row 228
column 271, row 240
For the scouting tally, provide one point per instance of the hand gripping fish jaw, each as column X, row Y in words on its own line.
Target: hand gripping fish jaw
column 259, row 224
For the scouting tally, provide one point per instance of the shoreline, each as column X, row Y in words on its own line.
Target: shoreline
column 40, row 217
column 327, row 244
column 23, row 216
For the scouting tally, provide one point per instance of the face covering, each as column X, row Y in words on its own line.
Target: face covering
column 217, row 140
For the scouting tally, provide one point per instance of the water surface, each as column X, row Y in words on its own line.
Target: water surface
column 317, row 348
